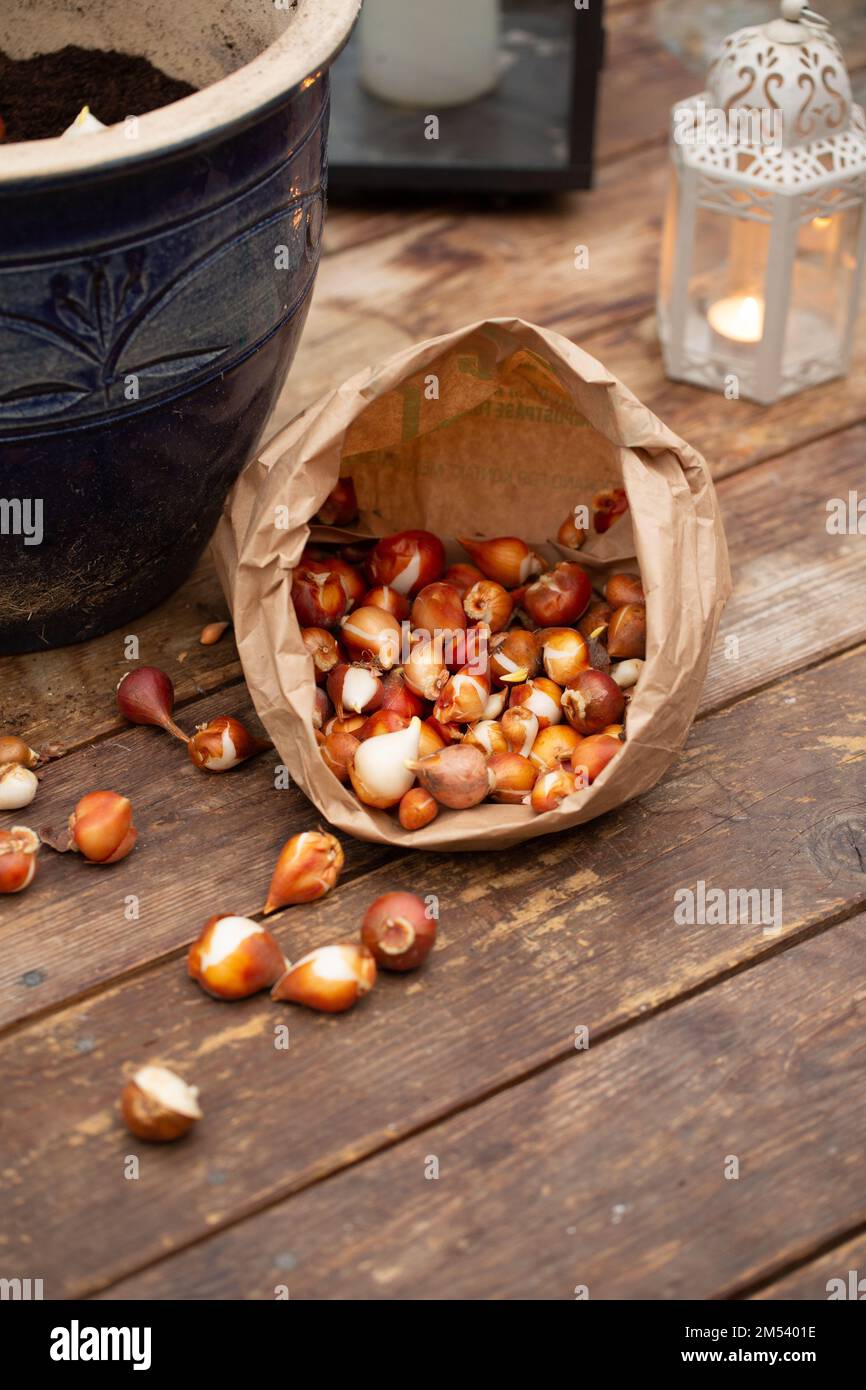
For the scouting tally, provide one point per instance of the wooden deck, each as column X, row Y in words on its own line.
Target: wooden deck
column 559, row 1166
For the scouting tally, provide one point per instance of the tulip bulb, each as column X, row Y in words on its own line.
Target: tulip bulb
column 425, row 670
column 18, row 786
column 330, row 979
column 594, row 622
column 338, row 751
column 18, row 850
column 542, row 697
column 146, row 696
column 398, row 932
column 101, row 827
column 552, row 788
column 462, row 577
column 463, row 697
column 397, row 696
column 354, row 689
column 157, row 1105
column 564, row 653
column 488, row 735
column 626, row 634
column 507, row 559
column 520, row 727
column 223, row 744
column 456, row 776
column 608, row 507
column 322, row 647
column 627, row 673
column 559, row 597
column 407, row 561
column 340, row 507
column 308, row 867
column 591, row 701
column 438, row 612
column 570, row 534
column 392, row 602
column 371, row 634
column 488, row 602
column 554, row 745
column 592, row 755
column 235, row 957
column 320, row 599
column 417, row 809
column 621, row 589
column 15, row 750
column 512, row 777
column 496, row 702
column 515, row 656
column 379, row 772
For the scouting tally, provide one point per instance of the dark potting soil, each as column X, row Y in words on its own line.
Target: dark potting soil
column 42, row 95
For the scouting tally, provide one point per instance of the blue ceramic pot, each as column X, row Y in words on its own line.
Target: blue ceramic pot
column 154, row 284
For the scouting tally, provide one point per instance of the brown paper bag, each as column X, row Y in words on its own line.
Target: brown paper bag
column 498, row 429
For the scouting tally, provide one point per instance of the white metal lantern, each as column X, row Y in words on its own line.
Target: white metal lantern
column 765, row 233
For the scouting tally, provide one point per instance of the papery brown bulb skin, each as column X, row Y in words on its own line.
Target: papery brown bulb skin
column 14, row 750
column 247, row 962
column 417, row 809
column 388, row 599
column 322, row 646
column 608, row 507
column 551, row 789
column 398, row 932
column 308, row 867
column 456, row 776
column 507, row 559
column 621, row 589
column 559, row 597
column 515, row 656
column 592, row 755
column 591, row 701
column 337, row 752
column 407, row 561
column 146, row 696
column 330, row 979
column 488, row 602
column 18, row 850
column 626, row 634
column 462, row 577
column 319, row 598
column 101, row 827
column 340, row 507
column 438, row 610
column 571, row 534
column 371, row 634
column 554, row 745
column 595, row 620
column 512, row 777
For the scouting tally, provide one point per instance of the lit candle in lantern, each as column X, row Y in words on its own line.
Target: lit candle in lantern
column 429, row 53
column 739, row 318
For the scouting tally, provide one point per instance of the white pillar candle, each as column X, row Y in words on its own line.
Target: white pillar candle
column 429, row 53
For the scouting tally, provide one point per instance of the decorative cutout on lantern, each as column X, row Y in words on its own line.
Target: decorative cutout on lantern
column 765, row 231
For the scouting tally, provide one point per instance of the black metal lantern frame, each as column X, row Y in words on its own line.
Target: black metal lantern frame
column 532, row 134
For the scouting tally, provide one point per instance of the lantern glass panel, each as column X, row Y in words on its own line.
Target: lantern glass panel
column 725, row 314
column 822, row 288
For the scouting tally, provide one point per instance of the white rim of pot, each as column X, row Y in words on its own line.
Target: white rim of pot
column 314, row 38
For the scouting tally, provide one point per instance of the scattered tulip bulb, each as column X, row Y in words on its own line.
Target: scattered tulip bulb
column 591, row 701
column 554, row 745
column 397, row 931
column 223, row 744
column 330, row 979
column 627, row 673
column 608, row 507
column 512, row 777
column 515, row 656
column 340, row 507
column 507, row 559
column 488, row 735
column 520, row 727
column 157, row 1105
column 559, row 597
column 338, row 751
column 18, row 786
column 488, row 602
column 592, row 755
column 564, row 653
column 392, row 602
column 15, row 750
column 407, row 561
column 417, row 809
column 463, row 697
column 542, row 697
column 235, row 957
column 371, row 634
column 379, row 772
column 308, row 867
column 621, row 589
column 571, row 534
column 322, row 647
column 626, row 635
column 18, row 850
column 425, row 670
column 354, row 689
column 552, row 788
column 146, row 696
column 456, row 776
column 462, row 578
column 319, row 599
column 101, row 827
column 212, row 632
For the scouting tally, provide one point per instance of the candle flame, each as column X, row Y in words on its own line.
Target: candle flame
column 740, row 318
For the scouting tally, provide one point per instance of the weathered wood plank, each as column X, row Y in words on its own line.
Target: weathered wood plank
column 607, row 1172
column 205, row 840
column 581, row 932
column 810, row 1282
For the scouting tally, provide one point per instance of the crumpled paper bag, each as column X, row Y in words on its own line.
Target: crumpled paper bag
column 498, row 429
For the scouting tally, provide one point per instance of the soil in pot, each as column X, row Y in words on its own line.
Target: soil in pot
column 41, row 96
